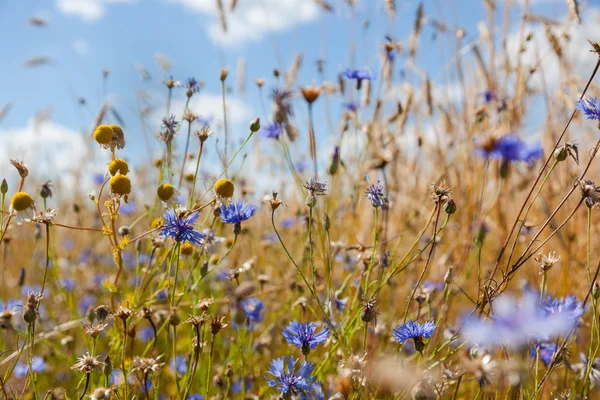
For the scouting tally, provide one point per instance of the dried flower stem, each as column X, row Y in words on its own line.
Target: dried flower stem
column 412, row 296
column 312, row 292
column 187, row 145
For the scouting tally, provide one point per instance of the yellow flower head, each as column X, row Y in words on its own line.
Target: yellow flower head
column 165, row 192
column 21, row 201
column 187, row 249
column 156, row 222
column 120, row 185
column 118, row 165
column 224, row 188
column 103, row 134
column 117, row 130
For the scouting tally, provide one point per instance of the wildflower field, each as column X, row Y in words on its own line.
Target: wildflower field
column 401, row 206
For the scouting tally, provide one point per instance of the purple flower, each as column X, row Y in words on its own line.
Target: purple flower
column 181, row 228
column 415, row 331
column 179, row 365
column 546, row 350
column 273, row 130
column 511, row 148
column 253, row 308
column 351, row 106
column 301, row 165
column 375, row 195
column 236, row 212
column 590, row 107
column 192, row 86
column 303, row 335
column 286, row 380
column 37, row 365
column 359, row 74
column 68, row 284
column 568, row 306
column 127, row 208
column 515, row 323
column 488, row 95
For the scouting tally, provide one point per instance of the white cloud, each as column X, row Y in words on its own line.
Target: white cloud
column 88, row 10
column 251, row 20
column 210, row 105
column 49, row 150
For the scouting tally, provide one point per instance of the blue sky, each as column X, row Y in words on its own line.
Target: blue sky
column 83, row 37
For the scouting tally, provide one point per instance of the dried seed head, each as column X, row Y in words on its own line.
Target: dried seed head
column 87, row 363
column 205, row 304
column 310, row 93
column 216, row 324
column 21, row 168
column 93, row 330
column 102, row 312
column 223, row 74
column 101, row 394
column 204, row 133
column 46, row 190
column 147, row 365
column 547, row 261
column 123, row 313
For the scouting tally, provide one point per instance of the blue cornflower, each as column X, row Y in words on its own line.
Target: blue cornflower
column 301, row 166
column 359, row 75
column 286, row 380
column 191, row 86
column 430, row 286
column 590, row 107
column 98, row 178
column 510, row 148
column 375, row 195
column 568, row 306
column 272, row 130
column 289, row 222
column 546, row 350
column 236, row 387
column 516, row 323
column 10, row 306
column 317, row 393
column 303, row 335
column 236, row 212
column 253, row 308
column 37, row 365
column 68, row 284
column 180, row 227
column 488, row 95
column 128, row 208
column 340, row 304
column 146, row 334
column 351, row 106
column 195, row 396
column 179, row 365
column 415, row 331
column 86, row 303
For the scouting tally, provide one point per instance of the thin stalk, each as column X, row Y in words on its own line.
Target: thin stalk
column 187, row 145
column 208, row 370
column 412, row 296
